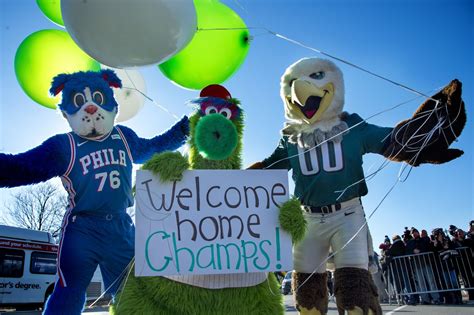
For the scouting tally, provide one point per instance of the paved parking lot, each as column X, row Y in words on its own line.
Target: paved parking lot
column 466, row 309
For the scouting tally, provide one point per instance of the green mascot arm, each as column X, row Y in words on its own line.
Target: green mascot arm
column 170, row 166
column 427, row 135
column 292, row 220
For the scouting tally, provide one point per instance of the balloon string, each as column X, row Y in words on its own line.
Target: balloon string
column 124, row 271
column 352, row 127
column 298, row 43
column 295, row 42
column 262, row 26
column 227, row 28
column 153, row 101
column 403, row 86
column 147, row 97
column 365, row 224
column 399, row 179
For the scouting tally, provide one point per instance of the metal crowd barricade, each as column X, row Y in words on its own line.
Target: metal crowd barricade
column 430, row 273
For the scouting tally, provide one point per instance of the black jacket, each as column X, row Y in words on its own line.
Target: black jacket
column 397, row 249
column 421, row 244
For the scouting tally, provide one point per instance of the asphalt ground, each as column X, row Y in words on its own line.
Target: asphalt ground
column 394, row 309
column 465, row 309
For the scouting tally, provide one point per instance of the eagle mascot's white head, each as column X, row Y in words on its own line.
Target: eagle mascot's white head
column 312, row 90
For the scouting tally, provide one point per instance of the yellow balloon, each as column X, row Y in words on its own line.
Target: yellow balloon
column 43, row 55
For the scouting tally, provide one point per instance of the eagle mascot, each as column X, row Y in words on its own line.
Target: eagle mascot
column 94, row 162
column 324, row 145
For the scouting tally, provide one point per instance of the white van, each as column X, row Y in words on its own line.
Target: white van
column 28, row 268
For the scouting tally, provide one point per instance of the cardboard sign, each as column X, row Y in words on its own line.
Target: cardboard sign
column 211, row 222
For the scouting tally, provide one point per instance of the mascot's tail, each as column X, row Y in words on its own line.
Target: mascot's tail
column 427, row 135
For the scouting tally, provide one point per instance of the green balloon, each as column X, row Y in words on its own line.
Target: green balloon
column 212, row 56
column 52, row 10
column 43, row 55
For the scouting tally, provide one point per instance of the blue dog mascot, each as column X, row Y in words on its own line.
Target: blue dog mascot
column 94, row 162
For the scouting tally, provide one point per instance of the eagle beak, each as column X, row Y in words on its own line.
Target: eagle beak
column 301, row 90
column 310, row 99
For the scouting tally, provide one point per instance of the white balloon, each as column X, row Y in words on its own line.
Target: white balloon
column 126, row 33
column 130, row 97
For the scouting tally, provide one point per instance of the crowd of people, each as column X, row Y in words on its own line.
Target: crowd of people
column 429, row 268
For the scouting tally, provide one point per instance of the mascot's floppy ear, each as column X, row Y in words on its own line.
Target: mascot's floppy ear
column 58, row 83
column 60, row 80
column 111, row 78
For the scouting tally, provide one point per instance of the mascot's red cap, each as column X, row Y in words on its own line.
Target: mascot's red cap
column 215, row 90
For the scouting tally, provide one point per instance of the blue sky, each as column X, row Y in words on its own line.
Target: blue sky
column 420, row 43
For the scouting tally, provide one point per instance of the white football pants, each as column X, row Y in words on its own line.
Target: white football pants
column 333, row 230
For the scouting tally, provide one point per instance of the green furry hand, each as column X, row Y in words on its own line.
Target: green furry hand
column 292, row 220
column 170, row 166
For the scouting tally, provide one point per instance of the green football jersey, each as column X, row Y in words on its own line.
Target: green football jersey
column 322, row 173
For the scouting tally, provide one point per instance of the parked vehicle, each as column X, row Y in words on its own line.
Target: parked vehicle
column 28, row 268
column 286, row 284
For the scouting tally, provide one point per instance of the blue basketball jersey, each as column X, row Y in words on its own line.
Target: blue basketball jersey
column 99, row 176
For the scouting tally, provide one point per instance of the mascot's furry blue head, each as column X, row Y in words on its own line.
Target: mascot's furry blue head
column 88, row 101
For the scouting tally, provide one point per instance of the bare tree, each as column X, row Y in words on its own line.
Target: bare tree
column 39, row 207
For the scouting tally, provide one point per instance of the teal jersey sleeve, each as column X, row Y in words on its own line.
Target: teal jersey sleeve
column 279, row 158
column 374, row 139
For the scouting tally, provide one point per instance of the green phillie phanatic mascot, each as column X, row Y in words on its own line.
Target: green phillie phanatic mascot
column 215, row 142
column 324, row 147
